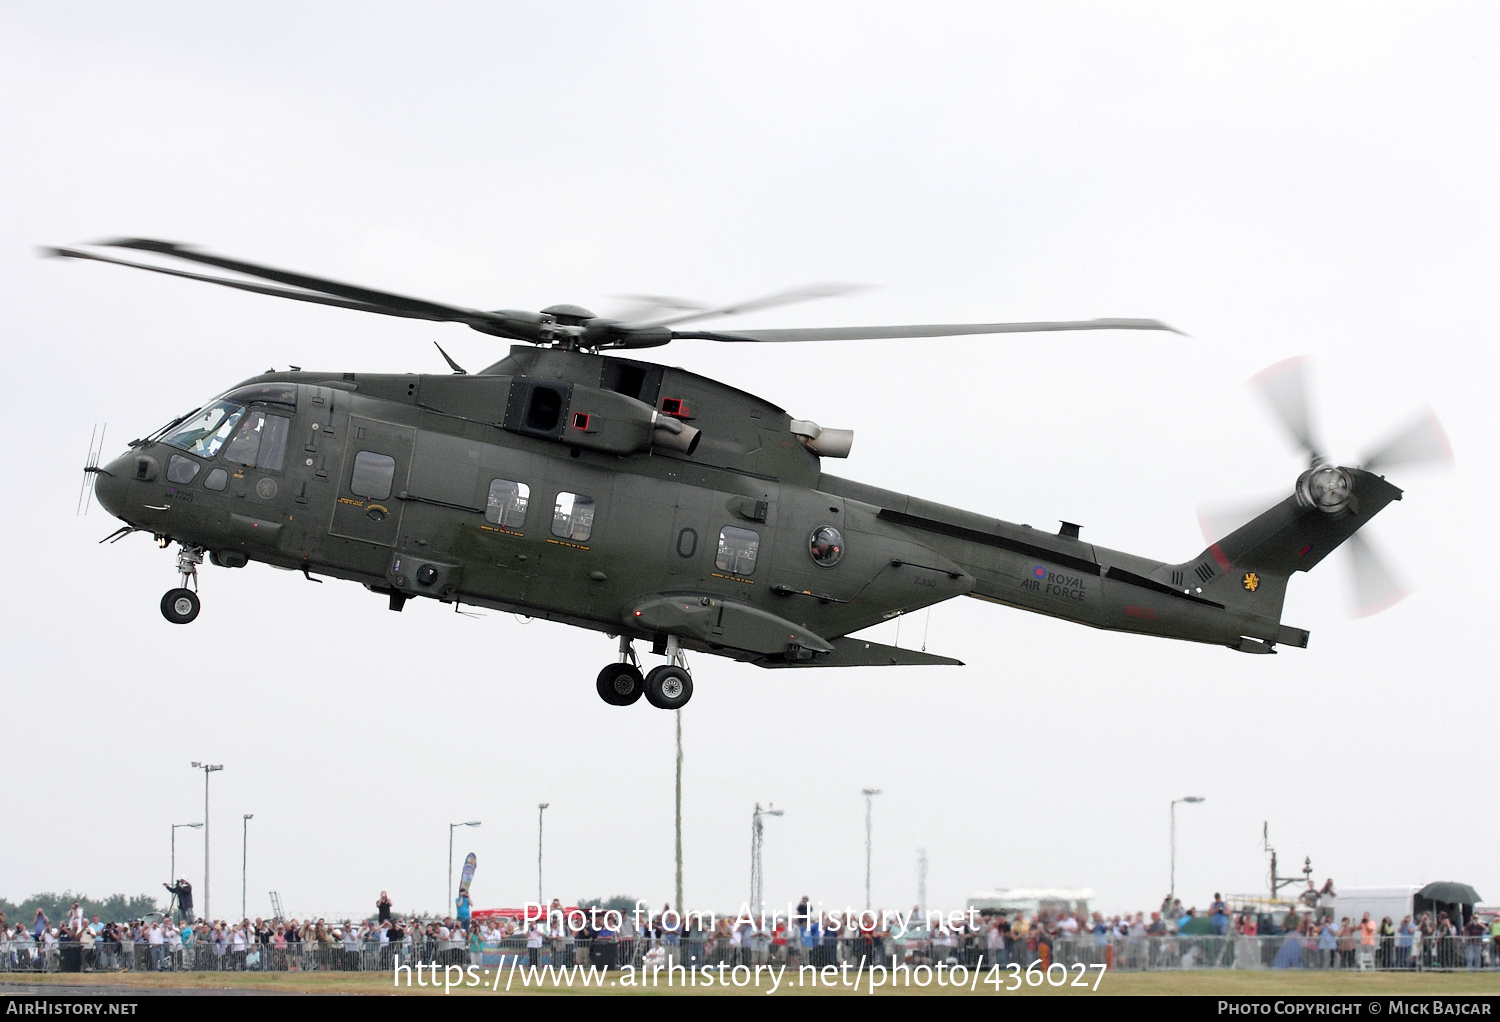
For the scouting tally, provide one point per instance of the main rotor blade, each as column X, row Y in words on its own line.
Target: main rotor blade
column 790, row 296
column 319, row 290
column 646, row 308
column 416, row 307
column 242, row 285
column 870, row 333
column 1376, row 586
column 1284, row 386
column 1423, row 442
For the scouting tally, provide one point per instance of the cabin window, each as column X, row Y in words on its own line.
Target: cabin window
column 737, row 550
column 261, row 442
column 216, row 479
column 180, row 469
column 826, row 546
column 205, row 431
column 507, row 502
column 373, row 475
column 573, row 517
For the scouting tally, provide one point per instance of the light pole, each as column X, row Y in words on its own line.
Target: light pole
column 757, row 878
column 451, row 826
column 244, row 860
column 922, row 881
column 869, row 794
column 173, row 875
column 677, row 816
column 541, row 807
column 1191, row 800
column 207, row 769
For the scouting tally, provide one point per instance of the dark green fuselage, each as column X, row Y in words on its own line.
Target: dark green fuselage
column 710, row 544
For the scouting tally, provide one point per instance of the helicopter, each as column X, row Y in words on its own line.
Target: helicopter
column 656, row 505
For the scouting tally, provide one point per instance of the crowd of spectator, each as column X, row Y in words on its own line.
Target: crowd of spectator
column 1173, row 936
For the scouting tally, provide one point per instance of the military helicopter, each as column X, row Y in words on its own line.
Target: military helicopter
column 655, row 505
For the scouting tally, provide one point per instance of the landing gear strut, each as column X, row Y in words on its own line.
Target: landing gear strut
column 667, row 687
column 181, row 605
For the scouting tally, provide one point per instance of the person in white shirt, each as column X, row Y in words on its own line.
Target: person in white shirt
column 49, row 948
column 171, row 939
column 238, row 945
column 157, row 943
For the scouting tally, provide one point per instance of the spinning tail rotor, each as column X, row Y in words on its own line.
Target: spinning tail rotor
column 1331, row 488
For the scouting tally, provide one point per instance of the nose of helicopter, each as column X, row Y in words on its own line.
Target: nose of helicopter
column 111, row 483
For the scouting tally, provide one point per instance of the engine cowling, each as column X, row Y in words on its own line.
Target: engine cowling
column 594, row 418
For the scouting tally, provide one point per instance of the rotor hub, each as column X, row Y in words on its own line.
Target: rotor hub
column 1327, row 488
column 569, row 315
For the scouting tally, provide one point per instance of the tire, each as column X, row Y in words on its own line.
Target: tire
column 180, row 606
column 620, row 684
column 669, row 688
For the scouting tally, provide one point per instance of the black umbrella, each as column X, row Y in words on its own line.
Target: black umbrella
column 1450, row 893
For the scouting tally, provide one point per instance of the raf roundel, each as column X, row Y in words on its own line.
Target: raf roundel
column 1039, row 571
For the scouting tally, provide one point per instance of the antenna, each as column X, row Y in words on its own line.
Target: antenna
column 90, row 467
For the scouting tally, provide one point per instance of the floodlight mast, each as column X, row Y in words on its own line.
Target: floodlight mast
column 541, row 807
column 207, row 769
column 757, row 830
column 869, row 794
column 245, row 864
column 1191, row 800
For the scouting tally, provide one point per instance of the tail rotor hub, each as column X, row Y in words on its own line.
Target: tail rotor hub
column 1327, row 488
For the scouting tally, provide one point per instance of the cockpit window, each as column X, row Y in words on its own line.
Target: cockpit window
column 274, row 393
column 261, row 442
column 205, row 431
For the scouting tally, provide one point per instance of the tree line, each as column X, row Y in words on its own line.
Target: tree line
column 115, row 908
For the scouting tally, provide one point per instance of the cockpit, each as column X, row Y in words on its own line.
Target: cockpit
column 205, row 430
column 254, row 437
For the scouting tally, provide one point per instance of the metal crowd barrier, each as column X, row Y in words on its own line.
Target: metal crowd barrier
column 1282, row 951
column 1286, row 951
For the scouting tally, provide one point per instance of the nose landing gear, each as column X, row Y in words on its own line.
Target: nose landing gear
column 181, row 605
column 667, row 687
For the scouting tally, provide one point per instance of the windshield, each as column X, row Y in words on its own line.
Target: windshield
column 205, row 431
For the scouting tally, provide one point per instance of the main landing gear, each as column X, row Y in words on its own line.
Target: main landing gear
column 667, row 687
column 181, row 605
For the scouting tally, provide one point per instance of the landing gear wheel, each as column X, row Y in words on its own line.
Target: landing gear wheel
column 668, row 687
column 620, row 684
column 180, row 606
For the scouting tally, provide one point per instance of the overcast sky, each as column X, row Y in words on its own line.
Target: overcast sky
column 1272, row 179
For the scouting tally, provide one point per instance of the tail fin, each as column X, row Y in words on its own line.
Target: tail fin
column 1247, row 570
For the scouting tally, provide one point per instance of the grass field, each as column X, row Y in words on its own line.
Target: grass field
column 1202, row 982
